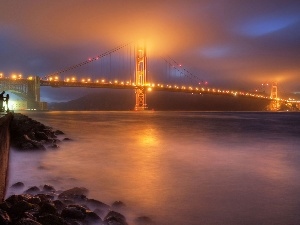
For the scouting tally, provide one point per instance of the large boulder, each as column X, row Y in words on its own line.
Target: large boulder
column 48, row 208
column 95, row 204
column 18, row 185
column 115, row 218
column 48, row 188
column 32, row 190
column 73, row 193
column 20, row 207
column 74, row 212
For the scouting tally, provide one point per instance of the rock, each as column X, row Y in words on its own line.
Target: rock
column 92, row 217
column 39, row 135
column 37, row 145
column 143, row 220
column 48, row 188
column 27, row 146
column 95, row 204
column 54, row 145
column 59, row 205
column 4, row 206
column 73, row 212
column 58, row 132
column 115, row 217
column 45, row 197
column 28, row 134
column 34, row 200
column 32, row 190
column 69, row 194
column 20, row 207
column 27, row 221
column 67, row 139
column 48, row 208
column 4, row 218
column 29, row 216
column 18, row 185
column 14, row 199
column 118, row 205
column 100, row 212
column 52, row 220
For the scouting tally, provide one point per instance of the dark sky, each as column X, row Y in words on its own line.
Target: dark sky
column 230, row 43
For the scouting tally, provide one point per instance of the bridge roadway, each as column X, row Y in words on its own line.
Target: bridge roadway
column 153, row 87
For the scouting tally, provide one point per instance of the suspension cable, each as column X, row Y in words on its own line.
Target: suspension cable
column 87, row 61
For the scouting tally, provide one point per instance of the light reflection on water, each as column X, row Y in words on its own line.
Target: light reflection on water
column 177, row 167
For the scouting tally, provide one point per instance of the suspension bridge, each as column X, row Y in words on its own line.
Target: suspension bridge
column 127, row 67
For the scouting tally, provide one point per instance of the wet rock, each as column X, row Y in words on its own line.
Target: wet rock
column 45, row 197
column 73, row 192
column 95, row 204
column 117, row 205
column 67, row 139
column 52, row 220
column 73, row 212
column 4, row 206
column 48, row 208
column 20, row 207
column 29, row 215
column 39, row 135
column 100, row 212
column 14, row 199
column 58, row 132
column 59, row 205
column 34, row 200
column 27, row 221
column 48, row 188
column 42, row 209
column 92, row 217
column 32, row 190
column 37, row 145
column 26, row 146
column 18, row 185
column 115, row 218
column 143, row 220
column 4, row 218
column 54, row 145
column 28, row 134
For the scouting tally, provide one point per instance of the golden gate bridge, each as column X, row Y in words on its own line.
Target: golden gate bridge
column 131, row 60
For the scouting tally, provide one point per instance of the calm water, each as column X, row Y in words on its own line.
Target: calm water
column 176, row 167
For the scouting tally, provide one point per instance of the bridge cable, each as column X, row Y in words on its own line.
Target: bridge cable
column 88, row 61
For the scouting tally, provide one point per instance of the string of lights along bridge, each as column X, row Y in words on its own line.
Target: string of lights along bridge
column 125, row 67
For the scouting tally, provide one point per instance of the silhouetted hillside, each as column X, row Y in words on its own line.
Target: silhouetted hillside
column 125, row 100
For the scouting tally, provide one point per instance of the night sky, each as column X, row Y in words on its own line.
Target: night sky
column 230, row 43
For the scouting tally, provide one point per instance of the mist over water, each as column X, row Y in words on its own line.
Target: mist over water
column 176, row 167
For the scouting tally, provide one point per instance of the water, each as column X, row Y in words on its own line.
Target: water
column 176, row 167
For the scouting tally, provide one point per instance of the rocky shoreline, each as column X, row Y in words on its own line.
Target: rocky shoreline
column 28, row 134
column 46, row 206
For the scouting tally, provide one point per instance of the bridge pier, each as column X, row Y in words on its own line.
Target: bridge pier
column 140, row 77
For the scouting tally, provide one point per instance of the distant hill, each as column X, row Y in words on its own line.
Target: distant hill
column 125, row 100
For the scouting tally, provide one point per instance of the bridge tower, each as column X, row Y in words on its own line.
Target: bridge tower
column 140, row 77
column 274, row 95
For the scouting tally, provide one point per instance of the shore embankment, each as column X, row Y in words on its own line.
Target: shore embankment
column 28, row 134
column 44, row 205
column 4, row 151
